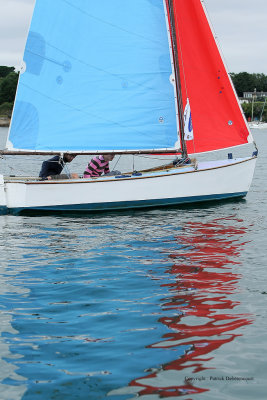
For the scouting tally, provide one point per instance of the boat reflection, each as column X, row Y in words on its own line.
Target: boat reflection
column 202, row 312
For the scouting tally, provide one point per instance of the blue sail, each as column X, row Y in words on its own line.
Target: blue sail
column 97, row 78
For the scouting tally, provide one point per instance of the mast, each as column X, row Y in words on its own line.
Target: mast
column 177, row 76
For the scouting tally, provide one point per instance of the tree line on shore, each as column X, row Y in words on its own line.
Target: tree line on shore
column 8, row 86
column 243, row 82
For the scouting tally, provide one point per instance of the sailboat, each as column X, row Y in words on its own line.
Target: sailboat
column 141, row 77
column 258, row 124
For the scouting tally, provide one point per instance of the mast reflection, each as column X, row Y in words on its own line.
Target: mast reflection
column 202, row 311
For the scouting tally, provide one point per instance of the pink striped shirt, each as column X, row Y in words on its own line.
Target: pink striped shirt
column 96, row 167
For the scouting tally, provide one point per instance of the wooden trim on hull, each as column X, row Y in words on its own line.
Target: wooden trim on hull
column 122, row 177
column 213, row 181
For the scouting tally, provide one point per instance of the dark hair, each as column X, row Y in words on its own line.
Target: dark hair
column 68, row 154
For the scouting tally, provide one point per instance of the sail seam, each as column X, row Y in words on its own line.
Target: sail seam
column 82, row 110
column 109, row 23
column 119, row 77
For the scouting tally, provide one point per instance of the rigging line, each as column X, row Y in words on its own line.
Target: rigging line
column 182, row 64
column 64, row 165
column 66, row 168
column 180, row 50
column 216, row 37
column 110, row 24
column 116, row 76
column 262, row 110
column 116, row 162
column 82, row 111
column 172, row 23
column 103, row 70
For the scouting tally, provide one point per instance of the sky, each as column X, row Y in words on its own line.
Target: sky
column 240, row 27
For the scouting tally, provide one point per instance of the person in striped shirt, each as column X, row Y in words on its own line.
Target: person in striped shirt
column 98, row 165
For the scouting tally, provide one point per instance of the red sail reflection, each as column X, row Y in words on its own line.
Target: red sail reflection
column 201, row 288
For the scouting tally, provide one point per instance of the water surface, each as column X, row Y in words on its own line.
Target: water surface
column 163, row 303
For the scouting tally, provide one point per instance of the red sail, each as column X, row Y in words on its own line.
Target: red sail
column 216, row 114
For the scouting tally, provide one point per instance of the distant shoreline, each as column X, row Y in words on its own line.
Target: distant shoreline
column 4, row 122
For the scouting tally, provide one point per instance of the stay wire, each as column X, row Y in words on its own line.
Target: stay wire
column 182, row 61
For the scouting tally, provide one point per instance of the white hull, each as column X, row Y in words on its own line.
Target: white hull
column 212, row 181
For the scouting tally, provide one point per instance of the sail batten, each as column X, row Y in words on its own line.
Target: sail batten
column 97, row 77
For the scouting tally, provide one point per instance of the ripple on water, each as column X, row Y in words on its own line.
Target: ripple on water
column 147, row 303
